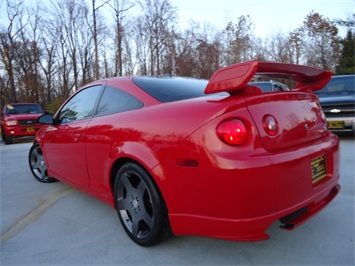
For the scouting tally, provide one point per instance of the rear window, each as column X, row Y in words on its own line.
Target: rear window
column 168, row 89
column 339, row 85
column 26, row 108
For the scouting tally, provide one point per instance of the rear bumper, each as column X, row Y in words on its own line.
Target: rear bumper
column 244, row 193
column 300, row 216
column 252, row 229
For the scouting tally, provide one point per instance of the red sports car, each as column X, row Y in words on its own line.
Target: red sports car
column 215, row 158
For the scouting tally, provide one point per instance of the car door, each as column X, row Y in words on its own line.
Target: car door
column 104, row 134
column 65, row 141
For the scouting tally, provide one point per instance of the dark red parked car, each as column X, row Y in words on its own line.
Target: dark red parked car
column 215, row 158
column 20, row 120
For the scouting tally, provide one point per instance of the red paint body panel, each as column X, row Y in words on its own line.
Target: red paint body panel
column 69, row 139
column 210, row 188
column 222, row 205
column 300, row 120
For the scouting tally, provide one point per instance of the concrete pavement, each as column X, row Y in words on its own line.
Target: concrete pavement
column 53, row 224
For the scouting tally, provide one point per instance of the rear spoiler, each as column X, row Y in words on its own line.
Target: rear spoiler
column 237, row 76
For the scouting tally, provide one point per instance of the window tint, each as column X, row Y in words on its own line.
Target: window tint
column 167, row 89
column 115, row 100
column 81, row 106
column 23, row 109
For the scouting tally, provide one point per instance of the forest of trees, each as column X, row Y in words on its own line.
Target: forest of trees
column 50, row 49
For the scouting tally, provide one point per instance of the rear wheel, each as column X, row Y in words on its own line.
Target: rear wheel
column 140, row 206
column 38, row 165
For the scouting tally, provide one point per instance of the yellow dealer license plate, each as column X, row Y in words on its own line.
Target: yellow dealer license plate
column 335, row 124
column 30, row 129
column 318, row 169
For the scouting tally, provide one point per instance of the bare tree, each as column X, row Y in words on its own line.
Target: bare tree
column 238, row 40
column 95, row 35
column 277, row 48
column 185, row 51
column 321, row 46
column 8, row 47
column 141, row 41
column 159, row 18
column 95, row 40
column 86, row 51
column 208, row 51
column 28, row 57
column 62, row 19
column 120, row 9
column 295, row 46
column 73, row 32
column 49, row 64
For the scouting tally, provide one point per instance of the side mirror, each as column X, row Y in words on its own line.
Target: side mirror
column 46, row 119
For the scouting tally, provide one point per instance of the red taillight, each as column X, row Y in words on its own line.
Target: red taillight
column 233, row 132
column 270, row 125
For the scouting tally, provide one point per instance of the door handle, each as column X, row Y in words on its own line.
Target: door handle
column 76, row 136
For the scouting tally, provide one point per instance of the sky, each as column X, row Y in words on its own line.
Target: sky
column 268, row 16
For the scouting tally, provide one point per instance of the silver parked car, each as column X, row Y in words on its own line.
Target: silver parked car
column 269, row 86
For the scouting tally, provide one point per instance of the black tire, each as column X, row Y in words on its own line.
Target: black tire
column 38, row 164
column 140, row 206
column 7, row 139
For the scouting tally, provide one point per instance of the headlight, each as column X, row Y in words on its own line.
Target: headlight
column 11, row 123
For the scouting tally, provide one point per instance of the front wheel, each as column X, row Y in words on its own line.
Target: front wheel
column 140, row 206
column 38, row 165
column 7, row 139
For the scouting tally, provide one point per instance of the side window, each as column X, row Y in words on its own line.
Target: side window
column 115, row 100
column 81, row 106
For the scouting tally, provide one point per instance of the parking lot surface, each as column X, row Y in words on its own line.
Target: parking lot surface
column 53, row 224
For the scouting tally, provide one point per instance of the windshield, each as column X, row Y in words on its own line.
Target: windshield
column 339, row 85
column 26, row 108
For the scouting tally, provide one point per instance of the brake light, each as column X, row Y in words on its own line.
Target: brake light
column 233, row 132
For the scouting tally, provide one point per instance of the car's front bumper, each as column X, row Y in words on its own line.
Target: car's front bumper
column 21, row 131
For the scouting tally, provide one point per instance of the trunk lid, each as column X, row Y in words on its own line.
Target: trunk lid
column 298, row 116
